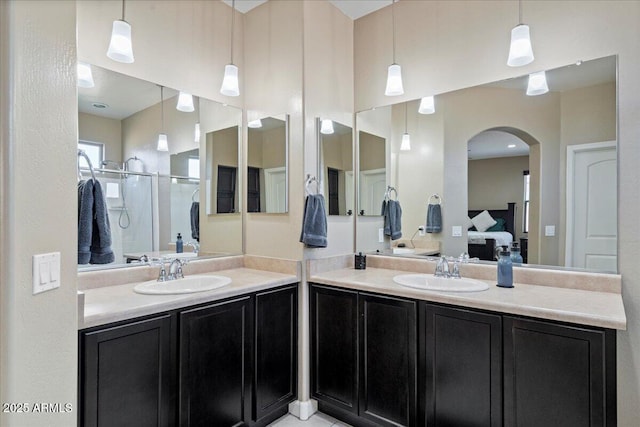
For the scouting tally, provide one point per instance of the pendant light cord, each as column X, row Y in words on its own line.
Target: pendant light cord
column 233, row 19
column 393, row 26
column 162, row 108
column 123, row 10
column 405, row 117
column 519, row 12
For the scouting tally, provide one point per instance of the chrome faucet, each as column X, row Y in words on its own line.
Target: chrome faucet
column 442, row 268
column 195, row 245
column 162, row 275
column 175, row 269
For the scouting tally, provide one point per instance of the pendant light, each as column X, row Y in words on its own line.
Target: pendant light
column 185, row 102
column 255, row 124
column 120, row 47
column 196, row 133
column 406, row 139
column 427, row 105
column 537, row 84
column 520, row 50
column 85, row 77
column 326, row 127
column 394, row 72
column 230, row 86
column 163, row 144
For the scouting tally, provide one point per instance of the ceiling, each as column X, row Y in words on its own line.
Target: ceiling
column 494, row 143
column 354, row 9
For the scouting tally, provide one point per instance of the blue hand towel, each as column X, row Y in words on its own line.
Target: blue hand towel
column 85, row 220
column 195, row 220
column 314, row 222
column 101, row 252
column 392, row 213
column 434, row 219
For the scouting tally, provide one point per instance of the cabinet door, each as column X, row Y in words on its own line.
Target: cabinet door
column 334, row 350
column 557, row 375
column 215, row 364
column 388, row 351
column 276, row 350
column 127, row 375
column 463, row 367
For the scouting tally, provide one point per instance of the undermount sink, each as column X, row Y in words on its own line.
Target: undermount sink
column 180, row 255
column 188, row 285
column 429, row 282
column 397, row 250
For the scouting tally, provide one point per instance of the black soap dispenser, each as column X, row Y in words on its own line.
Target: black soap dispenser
column 360, row 261
column 179, row 245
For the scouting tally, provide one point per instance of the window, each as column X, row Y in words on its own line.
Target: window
column 194, row 167
column 94, row 150
column 525, row 220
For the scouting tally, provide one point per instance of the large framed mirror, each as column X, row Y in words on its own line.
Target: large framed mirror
column 267, row 164
column 335, row 163
column 151, row 195
column 545, row 164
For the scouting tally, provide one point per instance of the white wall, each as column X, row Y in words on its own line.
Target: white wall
column 104, row 130
column 39, row 125
column 437, row 57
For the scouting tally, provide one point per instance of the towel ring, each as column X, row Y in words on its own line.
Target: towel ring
column 308, row 182
column 387, row 194
column 436, row 197
column 193, row 195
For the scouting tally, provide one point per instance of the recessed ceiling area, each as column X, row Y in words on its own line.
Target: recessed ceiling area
column 494, row 143
column 354, row 9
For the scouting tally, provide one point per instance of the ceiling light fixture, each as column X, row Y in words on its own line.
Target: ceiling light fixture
column 185, row 102
column 406, row 139
column 326, row 127
column 163, row 144
column 196, row 133
column 520, row 50
column 427, row 105
column 85, row 77
column 537, row 84
column 120, row 47
column 230, row 84
column 394, row 72
column 511, row 146
column 255, row 124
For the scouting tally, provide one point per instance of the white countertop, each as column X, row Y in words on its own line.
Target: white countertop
column 585, row 307
column 115, row 303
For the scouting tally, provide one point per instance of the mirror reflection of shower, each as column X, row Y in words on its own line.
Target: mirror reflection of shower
column 124, row 219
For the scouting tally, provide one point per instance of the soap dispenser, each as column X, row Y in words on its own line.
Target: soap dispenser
column 179, row 245
column 516, row 257
column 505, row 269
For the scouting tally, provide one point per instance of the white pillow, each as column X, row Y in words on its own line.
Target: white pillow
column 468, row 223
column 483, row 221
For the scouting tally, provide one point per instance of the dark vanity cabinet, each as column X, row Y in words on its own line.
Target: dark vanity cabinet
column 226, row 363
column 462, row 367
column 373, row 362
column 127, row 374
column 556, row 374
column 364, row 353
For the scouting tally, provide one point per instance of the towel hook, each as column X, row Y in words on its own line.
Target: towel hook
column 193, row 195
column 387, row 194
column 82, row 153
column 308, row 182
column 436, row 197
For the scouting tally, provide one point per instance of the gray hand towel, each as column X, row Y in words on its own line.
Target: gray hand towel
column 434, row 219
column 393, row 219
column 101, row 252
column 314, row 222
column 85, row 220
column 195, row 220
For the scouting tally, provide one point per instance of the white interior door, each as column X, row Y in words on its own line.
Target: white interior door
column 373, row 184
column 592, row 206
column 276, row 190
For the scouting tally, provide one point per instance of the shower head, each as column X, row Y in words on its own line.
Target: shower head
column 111, row 162
column 126, row 162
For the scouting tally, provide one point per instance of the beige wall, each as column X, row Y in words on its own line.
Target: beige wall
column 495, row 182
column 436, row 57
column 39, row 125
column 104, row 130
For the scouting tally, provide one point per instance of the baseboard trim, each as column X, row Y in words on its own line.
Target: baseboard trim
column 303, row 410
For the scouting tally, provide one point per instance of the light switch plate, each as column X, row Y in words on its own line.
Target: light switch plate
column 46, row 272
column 380, row 235
column 456, row 231
column 549, row 230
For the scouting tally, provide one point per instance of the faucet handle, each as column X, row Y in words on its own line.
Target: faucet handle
column 456, row 270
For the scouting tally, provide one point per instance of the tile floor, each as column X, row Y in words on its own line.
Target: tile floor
column 317, row 420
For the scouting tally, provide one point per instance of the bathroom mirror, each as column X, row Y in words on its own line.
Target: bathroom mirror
column 491, row 145
column 222, row 171
column 267, row 161
column 335, row 164
column 149, row 193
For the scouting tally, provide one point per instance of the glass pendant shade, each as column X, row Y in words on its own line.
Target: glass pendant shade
column 163, row 144
column 230, row 81
column 537, row 84
column 185, row 102
column 326, row 127
column 406, row 142
column 196, row 133
column 394, row 81
column 120, row 48
column 255, row 124
column 85, row 77
column 427, row 105
column 520, row 51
